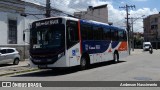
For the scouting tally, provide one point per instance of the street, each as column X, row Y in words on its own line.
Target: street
column 135, row 66
column 140, row 66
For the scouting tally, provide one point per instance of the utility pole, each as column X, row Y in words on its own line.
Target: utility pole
column 127, row 7
column 132, row 34
column 48, row 8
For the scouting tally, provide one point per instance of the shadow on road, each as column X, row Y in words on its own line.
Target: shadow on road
column 65, row 71
column 4, row 65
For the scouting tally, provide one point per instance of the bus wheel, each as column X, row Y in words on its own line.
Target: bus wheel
column 116, row 57
column 83, row 63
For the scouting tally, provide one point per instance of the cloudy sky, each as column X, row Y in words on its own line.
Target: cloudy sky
column 116, row 15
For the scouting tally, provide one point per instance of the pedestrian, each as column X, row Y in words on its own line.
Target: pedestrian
column 150, row 49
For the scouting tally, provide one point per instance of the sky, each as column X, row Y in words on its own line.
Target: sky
column 139, row 3
column 116, row 15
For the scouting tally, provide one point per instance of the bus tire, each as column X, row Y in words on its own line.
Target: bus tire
column 116, row 57
column 83, row 63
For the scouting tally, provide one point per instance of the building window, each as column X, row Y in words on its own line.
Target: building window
column 154, row 27
column 155, row 20
column 12, row 33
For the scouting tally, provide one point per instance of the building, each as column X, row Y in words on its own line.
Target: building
column 98, row 13
column 152, row 29
column 13, row 24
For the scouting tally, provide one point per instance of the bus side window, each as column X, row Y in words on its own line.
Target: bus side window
column 86, row 32
column 113, row 38
column 72, row 33
column 98, row 33
column 116, row 35
column 120, row 35
column 106, row 34
column 124, row 36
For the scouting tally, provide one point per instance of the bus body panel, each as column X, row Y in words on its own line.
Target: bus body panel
column 62, row 62
column 73, row 55
column 121, row 47
column 98, row 50
column 108, row 54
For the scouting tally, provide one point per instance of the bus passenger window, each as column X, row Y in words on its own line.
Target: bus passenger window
column 86, row 32
column 120, row 35
column 106, row 34
column 72, row 33
column 124, row 36
column 98, row 33
column 113, row 35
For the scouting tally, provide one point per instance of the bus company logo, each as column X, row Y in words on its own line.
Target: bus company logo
column 6, row 84
column 86, row 47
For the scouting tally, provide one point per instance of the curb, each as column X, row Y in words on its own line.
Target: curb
column 18, row 72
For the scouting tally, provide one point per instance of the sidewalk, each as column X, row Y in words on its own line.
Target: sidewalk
column 9, row 69
column 136, row 51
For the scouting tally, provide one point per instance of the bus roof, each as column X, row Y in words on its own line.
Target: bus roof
column 84, row 21
column 68, row 18
column 100, row 24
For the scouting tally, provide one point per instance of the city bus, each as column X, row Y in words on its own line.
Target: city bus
column 60, row 42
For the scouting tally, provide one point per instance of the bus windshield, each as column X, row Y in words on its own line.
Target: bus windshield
column 47, row 37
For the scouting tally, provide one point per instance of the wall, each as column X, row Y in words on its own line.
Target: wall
column 151, row 34
column 99, row 13
column 3, row 28
column 23, row 23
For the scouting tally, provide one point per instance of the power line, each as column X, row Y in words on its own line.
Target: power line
column 67, row 13
column 89, row 14
column 80, row 10
column 127, row 7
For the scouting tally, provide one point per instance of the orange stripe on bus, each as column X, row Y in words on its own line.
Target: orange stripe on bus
column 123, row 46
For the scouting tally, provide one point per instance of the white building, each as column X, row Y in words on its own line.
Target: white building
column 98, row 13
column 12, row 24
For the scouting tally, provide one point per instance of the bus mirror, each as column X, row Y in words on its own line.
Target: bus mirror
column 23, row 36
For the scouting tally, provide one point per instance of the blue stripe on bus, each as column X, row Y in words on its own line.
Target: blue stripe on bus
column 98, row 24
column 114, row 44
column 104, row 45
column 92, row 46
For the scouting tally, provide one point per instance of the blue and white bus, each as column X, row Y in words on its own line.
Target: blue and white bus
column 66, row 42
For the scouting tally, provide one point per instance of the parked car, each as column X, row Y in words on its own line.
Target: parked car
column 9, row 55
column 146, row 46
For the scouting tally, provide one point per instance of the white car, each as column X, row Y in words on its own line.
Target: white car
column 146, row 45
column 9, row 55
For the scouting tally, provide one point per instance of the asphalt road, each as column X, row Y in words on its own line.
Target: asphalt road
column 140, row 66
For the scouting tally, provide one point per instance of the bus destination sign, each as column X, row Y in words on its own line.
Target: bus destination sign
column 47, row 22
